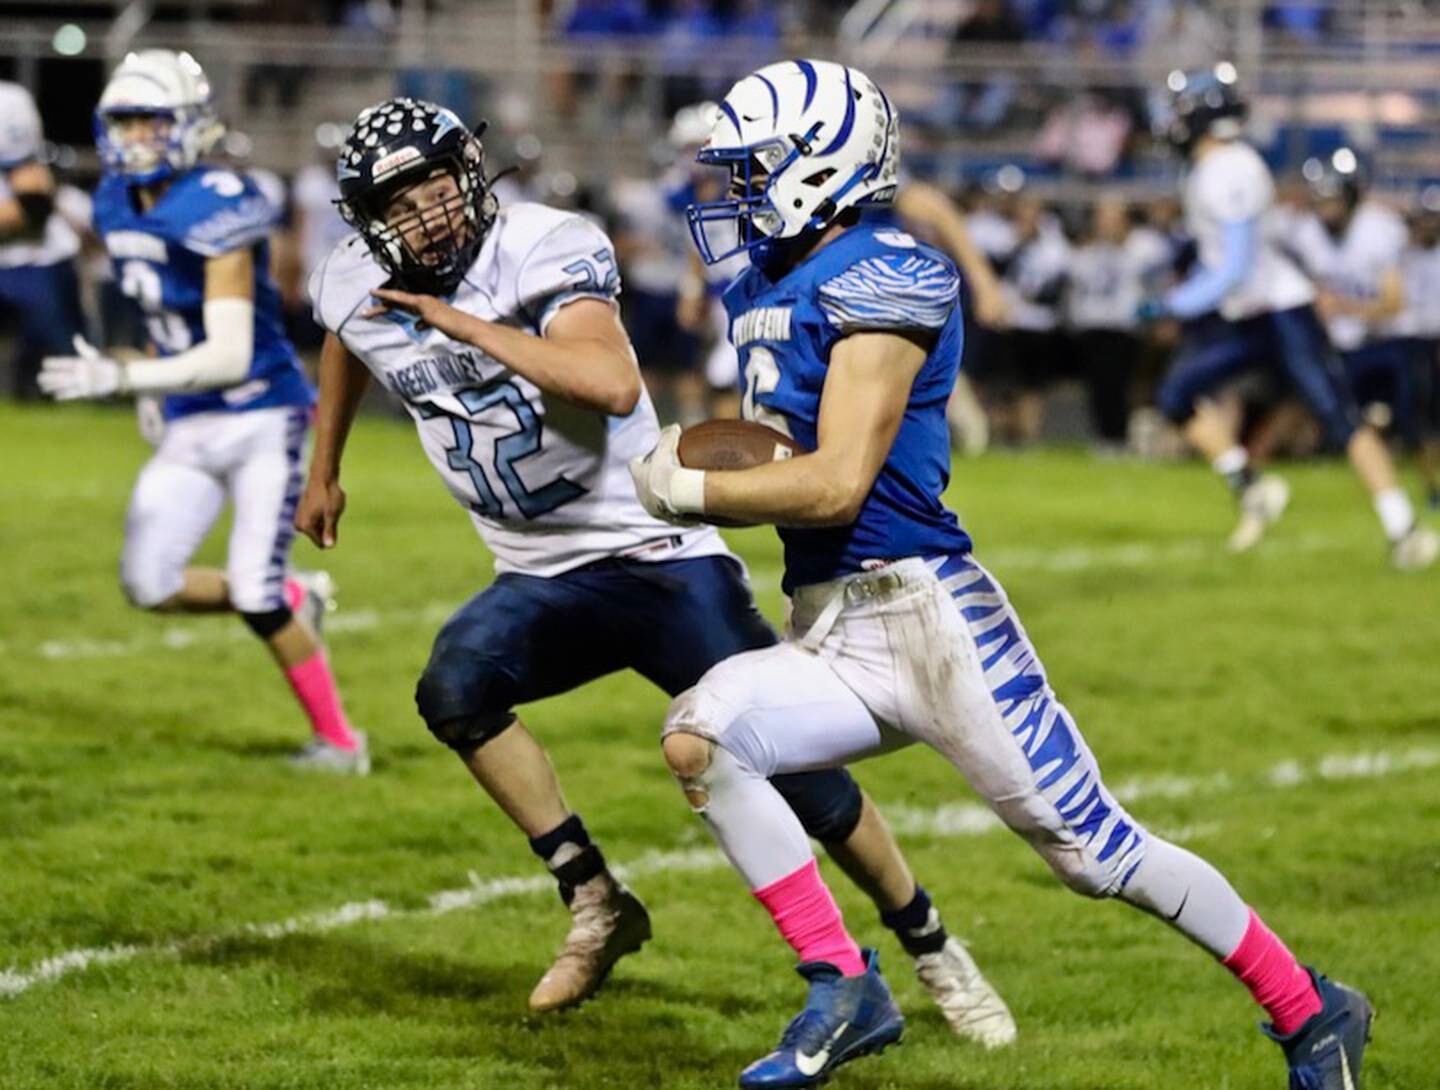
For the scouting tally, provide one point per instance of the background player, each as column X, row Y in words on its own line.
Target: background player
column 37, row 245
column 527, row 399
column 189, row 245
column 849, row 333
column 1265, row 304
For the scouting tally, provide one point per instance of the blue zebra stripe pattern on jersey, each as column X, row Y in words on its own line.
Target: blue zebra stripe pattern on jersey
column 1066, row 773
column 891, row 291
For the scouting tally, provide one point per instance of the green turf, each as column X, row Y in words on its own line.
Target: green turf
column 143, row 801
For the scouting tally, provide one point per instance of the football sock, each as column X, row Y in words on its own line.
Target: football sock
column 1397, row 514
column 809, row 920
column 569, row 854
column 1234, row 466
column 314, row 687
column 1278, row 982
column 1188, row 894
column 918, row 925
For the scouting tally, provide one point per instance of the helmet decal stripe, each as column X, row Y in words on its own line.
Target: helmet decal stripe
column 774, row 95
column 849, row 123
column 728, row 111
column 811, row 82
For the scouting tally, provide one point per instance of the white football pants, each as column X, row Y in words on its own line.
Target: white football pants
column 253, row 459
column 931, row 651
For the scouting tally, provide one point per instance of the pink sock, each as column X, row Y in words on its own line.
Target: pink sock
column 314, row 686
column 810, row 921
column 294, row 594
column 1277, row 981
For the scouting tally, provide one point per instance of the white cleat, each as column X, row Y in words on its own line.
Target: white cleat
column 972, row 1007
column 1261, row 506
column 319, row 598
column 609, row 922
column 1416, row 550
column 318, row 755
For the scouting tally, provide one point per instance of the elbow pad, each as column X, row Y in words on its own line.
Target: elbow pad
column 36, row 208
column 221, row 359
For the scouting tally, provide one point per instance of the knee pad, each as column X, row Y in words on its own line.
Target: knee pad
column 465, row 701
column 827, row 802
column 148, row 588
column 267, row 623
column 465, row 736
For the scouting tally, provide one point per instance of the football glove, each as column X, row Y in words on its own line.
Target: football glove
column 85, row 375
column 667, row 490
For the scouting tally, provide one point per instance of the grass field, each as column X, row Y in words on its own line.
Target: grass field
column 245, row 927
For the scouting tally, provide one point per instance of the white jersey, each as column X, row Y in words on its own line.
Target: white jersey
column 1033, row 281
column 1355, row 265
column 1232, row 184
column 321, row 227
column 656, row 228
column 1421, row 316
column 1107, row 283
column 20, row 143
column 546, row 483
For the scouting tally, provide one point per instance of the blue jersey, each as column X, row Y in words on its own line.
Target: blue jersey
column 873, row 277
column 160, row 258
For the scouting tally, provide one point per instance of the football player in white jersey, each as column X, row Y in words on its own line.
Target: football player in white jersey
column 1419, row 322
column 190, row 244
column 849, row 331
column 1266, row 311
column 1353, row 246
column 37, row 245
column 498, row 330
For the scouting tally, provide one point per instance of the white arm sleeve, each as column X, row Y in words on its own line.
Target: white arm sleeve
column 221, row 359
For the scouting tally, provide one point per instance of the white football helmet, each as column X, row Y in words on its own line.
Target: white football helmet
column 170, row 87
column 803, row 140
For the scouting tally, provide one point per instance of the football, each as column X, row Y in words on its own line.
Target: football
column 733, row 444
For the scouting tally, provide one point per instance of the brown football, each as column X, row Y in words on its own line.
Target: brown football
column 733, row 444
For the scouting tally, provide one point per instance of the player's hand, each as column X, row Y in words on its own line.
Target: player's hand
column 656, row 476
column 317, row 515
column 431, row 311
column 87, row 374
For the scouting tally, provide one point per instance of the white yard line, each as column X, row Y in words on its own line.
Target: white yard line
column 953, row 820
column 173, row 635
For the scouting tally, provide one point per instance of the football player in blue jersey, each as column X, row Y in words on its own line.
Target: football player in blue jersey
column 498, row 330
column 189, row 243
column 849, row 339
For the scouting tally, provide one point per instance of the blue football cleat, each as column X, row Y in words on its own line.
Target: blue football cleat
column 1325, row 1053
column 844, row 1018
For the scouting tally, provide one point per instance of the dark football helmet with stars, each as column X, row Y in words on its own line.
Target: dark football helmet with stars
column 400, row 143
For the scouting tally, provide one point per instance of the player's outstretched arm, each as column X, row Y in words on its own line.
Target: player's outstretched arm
column 584, row 355
column 866, row 390
column 929, row 208
column 221, row 359
column 343, row 380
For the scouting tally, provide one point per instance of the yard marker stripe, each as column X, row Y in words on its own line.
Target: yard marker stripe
column 955, row 820
column 186, row 635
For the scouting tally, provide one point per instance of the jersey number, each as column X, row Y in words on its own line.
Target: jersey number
column 762, row 376
column 140, row 281
column 509, row 449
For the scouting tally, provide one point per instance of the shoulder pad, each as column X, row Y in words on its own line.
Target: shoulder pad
column 341, row 285
column 212, row 211
column 912, row 286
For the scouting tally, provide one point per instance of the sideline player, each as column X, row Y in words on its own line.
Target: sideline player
column 37, row 244
column 189, row 245
column 527, row 400
column 849, row 333
column 1265, row 313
